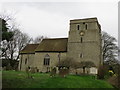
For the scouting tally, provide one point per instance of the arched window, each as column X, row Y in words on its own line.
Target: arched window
column 26, row 61
column 46, row 60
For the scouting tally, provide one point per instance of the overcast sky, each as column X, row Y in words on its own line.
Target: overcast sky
column 51, row 19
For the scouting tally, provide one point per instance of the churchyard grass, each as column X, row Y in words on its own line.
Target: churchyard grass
column 17, row 79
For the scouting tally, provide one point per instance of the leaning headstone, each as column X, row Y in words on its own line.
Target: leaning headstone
column 57, row 71
column 53, row 72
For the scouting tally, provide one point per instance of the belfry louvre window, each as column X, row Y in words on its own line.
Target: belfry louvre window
column 46, row 60
column 78, row 27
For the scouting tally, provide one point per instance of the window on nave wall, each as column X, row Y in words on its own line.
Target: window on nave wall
column 46, row 60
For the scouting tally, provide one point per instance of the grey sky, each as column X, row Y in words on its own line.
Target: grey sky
column 51, row 19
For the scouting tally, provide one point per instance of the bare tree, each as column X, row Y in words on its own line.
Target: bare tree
column 67, row 62
column 21, row 39
column 110, row 49
column 12, row 46
column 38, row 39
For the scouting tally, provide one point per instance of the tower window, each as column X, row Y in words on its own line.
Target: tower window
column 81, row 55
column 46, row 60
column 81, row 39
column 86, row 26
column 26, row 61
column 78, row 27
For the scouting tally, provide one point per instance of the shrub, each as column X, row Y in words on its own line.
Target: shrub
column 68, row 62
column 72, row 65
column 113, row 81
column 8, row 67
column 102, row 71
column 87, row 64
column 119, row 76
column 10, row 64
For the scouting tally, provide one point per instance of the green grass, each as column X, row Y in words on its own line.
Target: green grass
column 13, row 79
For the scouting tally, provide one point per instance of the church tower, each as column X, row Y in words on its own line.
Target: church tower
column 84, row 42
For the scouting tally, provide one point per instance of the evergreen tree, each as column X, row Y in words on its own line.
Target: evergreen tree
column 6, row 34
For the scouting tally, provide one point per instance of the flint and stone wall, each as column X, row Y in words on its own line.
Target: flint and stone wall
column 89, row 48
column 54, row 60
column 25, row 61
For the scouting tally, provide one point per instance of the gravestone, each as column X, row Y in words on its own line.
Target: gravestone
column 93, row 70
column 53, row 72
column 63, row 71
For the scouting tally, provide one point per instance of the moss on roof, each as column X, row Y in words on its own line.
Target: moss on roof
column 53, row 45
column 29, row 48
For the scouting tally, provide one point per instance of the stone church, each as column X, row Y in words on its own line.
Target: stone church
column 82, row 44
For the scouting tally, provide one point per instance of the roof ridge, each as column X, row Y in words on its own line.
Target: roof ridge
column 53, row 38
column 84, row 19
column 32, row 44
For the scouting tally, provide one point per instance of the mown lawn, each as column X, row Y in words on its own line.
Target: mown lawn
column 13, row 79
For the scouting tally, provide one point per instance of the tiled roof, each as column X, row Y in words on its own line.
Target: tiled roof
column 29, row 48
column 53, row 45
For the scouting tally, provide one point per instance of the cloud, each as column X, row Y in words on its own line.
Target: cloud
column 40, row 22
column 52, row 18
